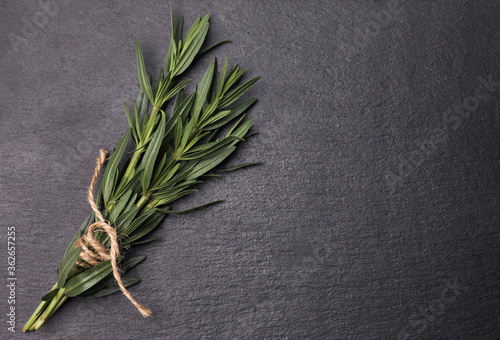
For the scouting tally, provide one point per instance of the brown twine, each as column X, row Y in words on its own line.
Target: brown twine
column 101, row 253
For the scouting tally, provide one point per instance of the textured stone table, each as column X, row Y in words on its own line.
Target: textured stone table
column 375, row 216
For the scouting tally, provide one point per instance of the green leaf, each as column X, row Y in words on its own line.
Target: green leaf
column 130, row 184
column 177, row 133
column 232, row 78
column 238, row 110
column 83, row 227
column 242, row 130
column 88, row 278
column 66, row 265
column 148, row 226
column 188, row 211
column 122, row 202
column 142, row 74
column 131, row 262
column 207, row 165
column 186, row 133
column 176, row 35
column 143, row 109
column 125, row 219
column 50, row 295
column 222, row 78
column 236, row 167
column 178, row 99
column 213, row 147
column 192, row 49
column 146, row 241
column 215, row 45
column 131, row 123
column 151, row 154
column 111, row 288
column 174, row 91
column 169, row 190
column 138, row 222
column 203, row 89
column 108, row 178
column 173, row 197
column 179, row 110
column 230, row 97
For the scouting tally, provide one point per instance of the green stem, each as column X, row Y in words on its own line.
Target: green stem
column 140, row 149
column 132, row 164
column 63, row 300
column 36, row 314
column 34, row 317
column 51, row 308
column 144, row 199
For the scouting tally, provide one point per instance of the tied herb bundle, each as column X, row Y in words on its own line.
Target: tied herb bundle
column 173, row 153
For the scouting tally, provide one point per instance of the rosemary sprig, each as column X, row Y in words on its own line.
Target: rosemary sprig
column 172, row 154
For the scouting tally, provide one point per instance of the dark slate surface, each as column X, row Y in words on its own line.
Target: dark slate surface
column 374, row 217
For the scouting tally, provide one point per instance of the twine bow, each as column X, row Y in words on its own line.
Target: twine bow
column 101, row 253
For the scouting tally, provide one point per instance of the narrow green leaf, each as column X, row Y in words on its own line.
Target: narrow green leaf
column 138, row 223
column 123, row 222
column 130, row 184
column 108, row 178
column 111, row 288
column 213, row 147
column 222, row 78
column 88, row 278
column 131, row 123
column 230, row 97
column 236, row 167
column 146, row 241
column 192, row 50
column 193, row 31
column 177, row 133
column 149, row 225
column 215, row 45
column 174, row 91
column 131, row 262
column 66, row 265
column 233, row 77
column 241, row 130
column 203, row 89
column 50, row 295
column 81, row 230
column 122, row 202
column 176, row 196
column 204, row 166
column 142, row 74
column 188, row 211
column 179, row 110
column 143, row 108
column 151, row 154
column 178, row 99
column 241, row 108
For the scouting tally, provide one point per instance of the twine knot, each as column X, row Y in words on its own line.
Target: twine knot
column 100, row 253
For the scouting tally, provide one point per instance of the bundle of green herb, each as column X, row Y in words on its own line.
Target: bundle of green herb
column 172, row 154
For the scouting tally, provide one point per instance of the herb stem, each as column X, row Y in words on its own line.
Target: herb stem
column 50, row 308
column 144, row 199
column 35, row 315
column 137, row 154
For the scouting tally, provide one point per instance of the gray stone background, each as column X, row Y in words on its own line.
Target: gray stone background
column 375, row 215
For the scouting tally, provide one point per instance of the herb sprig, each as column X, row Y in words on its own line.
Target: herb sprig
column 172, row 154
